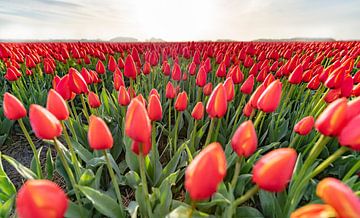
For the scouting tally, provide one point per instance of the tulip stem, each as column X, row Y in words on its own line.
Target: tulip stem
column 193, row 206
column 208, row 138
column 153, row 145
column 242, row 199
column 72, row 152
column 238, row 112
column 114, row 180
column 176, row 130
column 353, row 169
column 85, row 108
column 236, row 172
column 328, row 161
column 141, row 158
column 198, row 94
column 33, row 148
column 217, row 129
column 193, row 136
column 258, row 118
column 284, row 104
column 294, row 140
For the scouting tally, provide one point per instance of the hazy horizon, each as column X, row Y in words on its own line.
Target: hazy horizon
column 175, row 20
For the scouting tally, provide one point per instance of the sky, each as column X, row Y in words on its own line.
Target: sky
column 179, row 20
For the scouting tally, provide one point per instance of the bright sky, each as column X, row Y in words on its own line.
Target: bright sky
column 179, row 20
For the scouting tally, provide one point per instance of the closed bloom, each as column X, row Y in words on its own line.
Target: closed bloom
column 130, row 70
column 332, row 120
column 340, row 197
column 206, row 172
column 112, row 65
column 247, row 111
column 137, row 122
column 170, row 91
column 230, row 89
column 41, row 199
column 270, row 98
column 247, row 86
column 304, row 126
column 198, row 111
column 296, row 76
column 99, row 135
column 207, row 89
column 314, row 83
column 350, row 134
column 256, row 95
column 181, row 101
column 201, row 77
column 13, row 108
column 176, row 72
column 314, row 211
column 123, row 97
column 57, row 105
column 94, row 100
column 274, row 170
column 154, row 108
column 217, row 104
column 244, row 141
column 44, row 124
column 100, row 68
column 77, row 83
column 145, row 147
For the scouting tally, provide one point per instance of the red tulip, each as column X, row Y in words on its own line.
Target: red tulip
column 13, row 108
column 332, row 120
column 274, row 170
column 198, row 111
column 247, row 111
column 86, row 76
column 221, row 71
column 244, row 140
column 170, row 91
column 44, row 124
column 256, row 95
column 332, row 95
column 123, row 97
column 100, row 68
column 304, row 126
column 201, row 77
column 230, row 89
column 154, row 108
column 296, row 76
column 270, row 98
column 353, row 108
column 99, row 135
column 147, row 68
column 137, row 122
column 176, row 72
column 350, row 134
column 130, row 68
column 154, row 92
column 94, row 100
column 314, row 83
column 206, row 172
column 41, row 199
column 217, row 104
column 112, row 64
column 340, row 197
column 57, row 105
column 77, row 83
column 181, row 101
column 207, row 90
column 314, row 211
column 247, row 86
column 236, row 75
column 146, row 147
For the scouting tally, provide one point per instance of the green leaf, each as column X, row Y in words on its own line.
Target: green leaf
column 87, row 178
column 248, row 212
column 133, row 209
column 33, row 161
column 75, row 211
column 103, row 203
column 171, row 166
column 83, row 153
column 49, row 164
column 270, row 204
column 21, row 169
column 6, row 208
column 184, row 212
column 132, row 179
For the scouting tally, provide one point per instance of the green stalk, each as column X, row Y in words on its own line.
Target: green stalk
column 198, row 94
column 193, row 135
column 217, row 129
column 353, row 170
column 237, row 171
column 242, row 200
column 141, row 158
column 153, row 145
column 238, row 112
column 33, row 148
column 258, row 118
column 85, row 108
column 294, row 140
column 208, row 138
column 176, row 130
column 114, row 181
column 72, row 152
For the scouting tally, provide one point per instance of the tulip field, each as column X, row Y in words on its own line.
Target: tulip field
column 183, row 129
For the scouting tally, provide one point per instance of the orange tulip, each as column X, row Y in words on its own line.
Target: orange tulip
column 304, row 126
column 41, row 199
column 13, row 108
column 244, row 140
column 99, row 135
column 94, row 100
column 123, row 97
column 198, row 111
column 274, row 170
column 154, row 108
column 137, row 122
column 217, row 104
column 206, row 172
column 57, row 105
column 44, row 124
column 332, row 120
column 314, row 211
column 340, row 197
column 181, row 101
column 270, row 98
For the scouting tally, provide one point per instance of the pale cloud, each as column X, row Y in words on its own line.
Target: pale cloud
column 179, row 20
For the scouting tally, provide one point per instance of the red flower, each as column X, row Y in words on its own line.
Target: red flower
column 99, row 135
column 206, row 172
column 77, row 83
column 100, row 68
column 94, row 100
column 270, row 98
column 274, row 170
column 123, row 97
column 146, row 147
column 44, row 124
column 217, row 104
column 256, row 95
column 57, row 105
column 176, row 72
column 137, row 122
column 314, row 211
column 181, row 101
column 296, row 76
column 170, row 91
column 350, row 134
column 247, row 111
column 244, row 140
column 130, row 68
column 201, row 77
column 198, row 111
column 13, row 108
column 207, row 89
column 154, row 108
column 230, row 89
column 248, row 85
column 112, row 64
column 314, row 83
column 41, row 199
column 304, row 126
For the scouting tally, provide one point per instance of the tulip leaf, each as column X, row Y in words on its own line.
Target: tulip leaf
column 49, row 164
column 184, row 212
column 21, row 169
column 33, row 164
column 270, row 204
column 102, row 202
column 246, row 211
column 6, row 207
column 133, row 209
column 75, row 211
column 83, row 153
column 87, row 178
column 132, row 179
column 171, row 166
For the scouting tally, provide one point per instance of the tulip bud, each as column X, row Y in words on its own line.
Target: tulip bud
column 41, row 198
column 123, row 97
column 314, row 83
column 217, row 104
column 332, row 120
column 44, row 124
column 94, row 100
column 206, row 172
column 154, row 108
column 146, row 147
column 99, row 135
column 296, row 76
column 270, row 98
column 247, row 111
column 181, row 101
column 314, row 211
column 154, row 92
column 274, row 170
column 255, row 96
column 170, row 91
column 130, row 68
column 244, row 140
column 247, row 86
column 207, row 89
column 304, row 126
column 230, row 89
column 201, row 77
column 13, row 108
column 100, row 68
column 176, row 72
column 137, row 122
column 112, row 64
column 198, row 111
column 350, row 134
column 339, row 196
column 57, row 105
